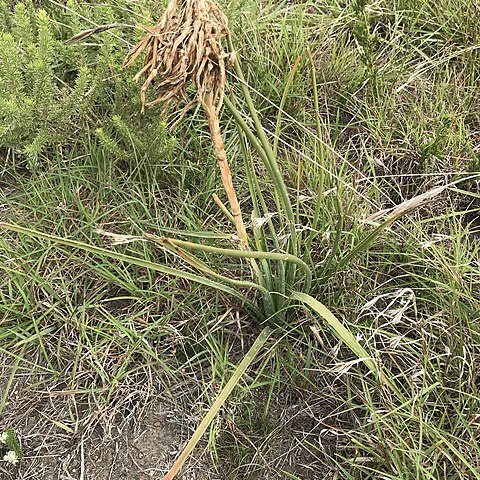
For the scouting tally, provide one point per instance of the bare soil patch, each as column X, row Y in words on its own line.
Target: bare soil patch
column 64, row 438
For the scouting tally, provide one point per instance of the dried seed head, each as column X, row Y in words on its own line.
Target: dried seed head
column 185, row 46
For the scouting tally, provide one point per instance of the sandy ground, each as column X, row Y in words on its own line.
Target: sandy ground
column 138, row 439
column 62, row 439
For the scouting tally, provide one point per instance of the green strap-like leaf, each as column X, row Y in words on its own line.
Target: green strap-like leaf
column 132, row 260
column 222, row 397
column 342, row 332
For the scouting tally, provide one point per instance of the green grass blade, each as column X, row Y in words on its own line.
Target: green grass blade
column 282, row 104
column 363, row 245
column 8, row 385
column 347, row 337
column 317, row 119
column 336, row 240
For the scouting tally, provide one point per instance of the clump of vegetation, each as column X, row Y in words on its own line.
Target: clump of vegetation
column 53, row 90
column 10, row 447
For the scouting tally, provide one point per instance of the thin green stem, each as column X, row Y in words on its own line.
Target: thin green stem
column 364, row 244
column 282, row 104
column 223, row 208
column 321, row 180
column 281, row 257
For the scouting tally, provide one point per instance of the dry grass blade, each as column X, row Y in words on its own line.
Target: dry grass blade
column 408, row 205
column 186, row 47
column 84, row 34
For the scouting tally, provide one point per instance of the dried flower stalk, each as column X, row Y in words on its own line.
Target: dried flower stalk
column 186, row 47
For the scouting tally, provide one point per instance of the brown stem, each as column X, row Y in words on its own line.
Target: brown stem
column 226, row 175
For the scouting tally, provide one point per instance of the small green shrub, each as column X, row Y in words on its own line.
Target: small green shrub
column 52, row 89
